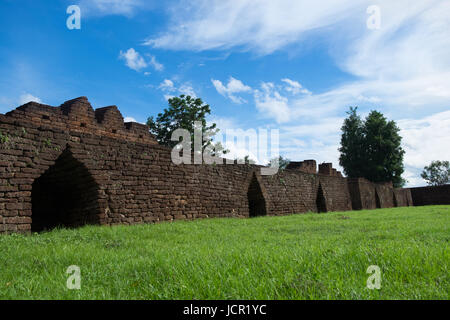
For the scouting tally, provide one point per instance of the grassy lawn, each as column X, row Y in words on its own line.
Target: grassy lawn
column 304, row 256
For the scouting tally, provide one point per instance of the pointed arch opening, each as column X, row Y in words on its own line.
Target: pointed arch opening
column 65, row 195
column 377, row 200
column 320, row 200
column 256, row 201
column 394, row 199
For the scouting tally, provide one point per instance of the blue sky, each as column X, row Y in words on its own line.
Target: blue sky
column 292, row 65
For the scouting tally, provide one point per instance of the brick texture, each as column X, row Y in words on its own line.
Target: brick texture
column 72, row 165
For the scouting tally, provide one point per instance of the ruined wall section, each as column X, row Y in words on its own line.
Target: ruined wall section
column 369, row 195
column 292, row 191
column 77, row 115
column 385, row 192
column 402, row 197
column 125, row 177
column 135, row 182
column 336, row 192
column 26, row 153
column 363, row 194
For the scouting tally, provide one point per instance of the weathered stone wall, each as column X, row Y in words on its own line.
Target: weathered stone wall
column 363, row 194
column 73, row 165
column 104, row 177
column 402, row 198
column 367, row 195
column 292, row 191
column 307, row 166
column 431, row 195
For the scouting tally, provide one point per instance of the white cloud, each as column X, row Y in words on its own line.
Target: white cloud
column 169, row 88
column 264, row 25
column 271, row 104
column 187, row 90
column 133, row 59
column 401, row 69
column 129, row 119
column 155, row 64
column 167, row 85
column 27, row 97
column 112, row 7
column 229, row 90
column 424, row 140
column 294, row 87
column 403, row 65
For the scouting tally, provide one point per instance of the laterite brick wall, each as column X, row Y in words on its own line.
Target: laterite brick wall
column 431, row 195
column 72, row 165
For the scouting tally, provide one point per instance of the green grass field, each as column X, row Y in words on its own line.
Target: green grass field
column 304, row 256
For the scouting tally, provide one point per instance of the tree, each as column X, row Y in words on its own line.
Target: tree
column 281, row 162
column 182, row 113
column 437, row 173
column 351, row 150
column 372, row 148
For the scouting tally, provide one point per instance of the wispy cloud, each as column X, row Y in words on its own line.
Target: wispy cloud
column 167, row 85
column 294, row 87
column 401, row 69
column 27, row 97
column 403, row 65
column 133, row 59
column 229, row 90
column 169, row 89
column 425, row 140
column 129, row 119
column 155, row 64
column 113, row 7
column 263, row 25
column 271, row 104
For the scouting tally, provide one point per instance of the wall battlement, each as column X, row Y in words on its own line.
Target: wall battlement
column 78, row 115
column 310, row 166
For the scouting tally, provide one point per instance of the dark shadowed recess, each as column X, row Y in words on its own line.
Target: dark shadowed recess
column 320, row 200
column 65, row 195
column 256, row 202
column 377, row 200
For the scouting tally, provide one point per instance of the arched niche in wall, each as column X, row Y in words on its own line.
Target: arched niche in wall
column 320, row 200
column 377, row 200
column 65, row 195
column 394, row 199
column 256, row 201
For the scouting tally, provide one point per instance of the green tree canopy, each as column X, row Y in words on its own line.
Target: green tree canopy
column 372, row 148
column 437, row 173
column 182, row 113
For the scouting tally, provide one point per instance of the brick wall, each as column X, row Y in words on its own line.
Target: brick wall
column 431, row 195
column 368, row 195
column 73, row 165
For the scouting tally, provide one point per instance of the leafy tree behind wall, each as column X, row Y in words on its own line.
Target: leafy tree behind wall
column 351, row 158
column 182, row 113
column 437, row 173
column 372, row 148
